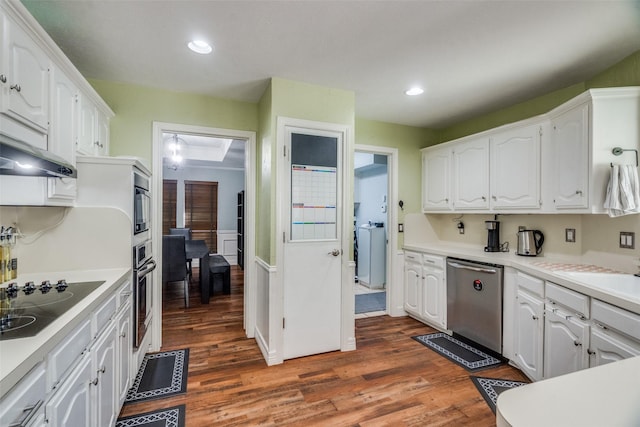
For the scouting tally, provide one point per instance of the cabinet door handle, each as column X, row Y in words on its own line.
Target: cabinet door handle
column 577, row 343
column 97, row 143
column 494, row 197
column 95, row 381
column 16, row 87
column 534, row 317
column 579, row 192
column 3, row 78
column 102, row 370
column 590, row 352
column 28, row 413
column 123, row 335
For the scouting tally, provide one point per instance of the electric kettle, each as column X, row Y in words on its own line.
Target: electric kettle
column 530, row 242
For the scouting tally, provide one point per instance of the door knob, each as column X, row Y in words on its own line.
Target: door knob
column 334, row 252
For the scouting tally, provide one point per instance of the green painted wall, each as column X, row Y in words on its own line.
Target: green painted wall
column 408, row 140
column 624, row 73
column 137, row 107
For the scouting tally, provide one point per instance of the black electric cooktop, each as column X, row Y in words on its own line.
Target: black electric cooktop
column 30, row 314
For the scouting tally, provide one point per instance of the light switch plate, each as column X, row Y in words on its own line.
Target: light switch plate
column 570, row 235
column 627, row 240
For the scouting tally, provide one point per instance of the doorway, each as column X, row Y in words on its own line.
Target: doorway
column 375, row 224
column 370, row 228
column 167, row 160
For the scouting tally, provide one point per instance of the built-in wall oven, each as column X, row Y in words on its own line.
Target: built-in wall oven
column 141, row 203
column 143, row 265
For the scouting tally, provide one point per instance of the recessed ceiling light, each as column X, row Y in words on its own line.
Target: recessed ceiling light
column 414, row 91
column 200, row 46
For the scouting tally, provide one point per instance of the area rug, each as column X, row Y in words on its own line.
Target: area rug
column 490, row 388
column 462, row 353
column 161, row 375
column 168, row 417
column 366, row 303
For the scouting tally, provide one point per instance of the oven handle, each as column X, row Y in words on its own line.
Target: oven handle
column 468, row 267
column 148, row 268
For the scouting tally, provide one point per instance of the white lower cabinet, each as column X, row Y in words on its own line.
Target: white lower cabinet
column 104, row 371
column 71, row 404
column 566, row 343
column 125, row 349
column 23, row 405
column 529, row 334
column 606, row 347
column 425, row 292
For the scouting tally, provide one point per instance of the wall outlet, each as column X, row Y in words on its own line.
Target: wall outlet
column 627, row 240
column 400, row 228
column 570, row 235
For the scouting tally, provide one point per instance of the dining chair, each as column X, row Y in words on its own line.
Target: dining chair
column 186, row 232
column 174, row 263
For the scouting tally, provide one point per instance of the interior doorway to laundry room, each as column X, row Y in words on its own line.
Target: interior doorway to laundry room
column 370, row 232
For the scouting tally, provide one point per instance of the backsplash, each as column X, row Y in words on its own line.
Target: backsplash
column 596, row 236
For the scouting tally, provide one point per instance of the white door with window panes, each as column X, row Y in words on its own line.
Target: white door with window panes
column 312, row 264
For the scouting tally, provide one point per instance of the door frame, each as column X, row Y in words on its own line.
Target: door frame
column 393, row 287
column 347, row 305
column 250, row 217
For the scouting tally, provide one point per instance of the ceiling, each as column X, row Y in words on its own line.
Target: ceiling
column 471, row 57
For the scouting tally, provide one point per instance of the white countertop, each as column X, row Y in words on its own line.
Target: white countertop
column 19, row 356
column 629, row 299
column 607, row 395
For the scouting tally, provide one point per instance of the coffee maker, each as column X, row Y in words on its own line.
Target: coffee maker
column 493, row 236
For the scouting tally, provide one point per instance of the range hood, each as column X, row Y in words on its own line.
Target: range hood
column 19, row 158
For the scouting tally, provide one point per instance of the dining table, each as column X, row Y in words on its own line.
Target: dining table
column 199, row 249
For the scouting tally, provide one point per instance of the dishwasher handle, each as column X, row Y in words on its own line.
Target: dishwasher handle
column 468, row 267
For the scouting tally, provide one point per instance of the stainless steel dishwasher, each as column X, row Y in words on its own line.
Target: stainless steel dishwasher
column 474, row 301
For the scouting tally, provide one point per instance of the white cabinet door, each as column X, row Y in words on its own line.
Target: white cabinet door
column 71, row 405
column 570, row 157
column 433, row 297
column 125, row 344
column 436, row 177
column 25, row 95
column 529, row 334
column 104, row 371
column 566, row 340
column 515, row 168
column 93, row 129
column 62, row 132
column 87, row 132
column 412, row 285
column 471, row 174
column 605, row 347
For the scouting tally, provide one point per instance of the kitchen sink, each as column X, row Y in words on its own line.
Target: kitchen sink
column 626, row 284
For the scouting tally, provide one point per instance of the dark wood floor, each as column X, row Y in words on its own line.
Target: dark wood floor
column 390, row 380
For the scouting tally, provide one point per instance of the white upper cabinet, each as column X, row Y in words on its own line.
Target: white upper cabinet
column 93, row 129
column 25, row 77
column 515, row 168
column 570, row 158
column 436, row 179
column 578, row 158
column 62, row 132
column 471, row 174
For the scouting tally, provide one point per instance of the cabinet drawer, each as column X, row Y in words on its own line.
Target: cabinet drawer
column 578, row 303
column 412, row 256
column 124, row 293
column 433, row 261
column 616, row 318
column 24, row 400
column 530, row 284
column 67, row 352
column 103, row 314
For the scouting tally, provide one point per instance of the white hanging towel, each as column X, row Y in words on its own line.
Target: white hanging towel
column 623, row 191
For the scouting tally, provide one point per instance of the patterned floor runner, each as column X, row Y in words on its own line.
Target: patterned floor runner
column 168, row 417
column 161, row 375
column 490, row 388
column 460, row 352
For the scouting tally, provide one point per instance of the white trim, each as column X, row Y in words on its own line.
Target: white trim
column 394, row 287
column 250, row 164
column 276, row 305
